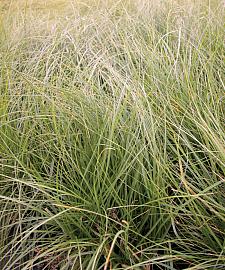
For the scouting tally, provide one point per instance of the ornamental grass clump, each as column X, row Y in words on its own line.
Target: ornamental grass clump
column 112, row 135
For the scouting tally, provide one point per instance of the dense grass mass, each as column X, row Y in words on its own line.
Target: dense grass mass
column 112, row 135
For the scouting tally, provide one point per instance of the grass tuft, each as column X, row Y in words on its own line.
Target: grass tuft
column 112, row 135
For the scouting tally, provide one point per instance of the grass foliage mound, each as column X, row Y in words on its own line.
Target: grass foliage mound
column 112, row 135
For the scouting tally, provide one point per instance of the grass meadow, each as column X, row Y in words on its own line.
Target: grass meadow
column 112, row 135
